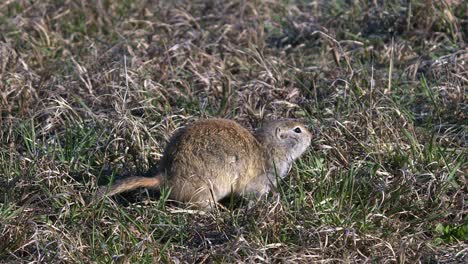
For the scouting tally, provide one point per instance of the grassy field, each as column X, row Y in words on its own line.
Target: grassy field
column 92, row 90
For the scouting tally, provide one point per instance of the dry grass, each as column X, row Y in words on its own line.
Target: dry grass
column 91, row 90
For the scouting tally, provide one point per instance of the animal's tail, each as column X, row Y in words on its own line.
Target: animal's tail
column 128, row 184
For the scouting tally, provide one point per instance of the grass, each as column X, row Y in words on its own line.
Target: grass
column 92, row 90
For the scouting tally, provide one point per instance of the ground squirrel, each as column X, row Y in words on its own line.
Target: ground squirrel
column 211, row 158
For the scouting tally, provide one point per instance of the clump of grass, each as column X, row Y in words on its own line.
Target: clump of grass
column 91, row 91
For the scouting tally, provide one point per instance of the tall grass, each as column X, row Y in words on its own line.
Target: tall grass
column 91, row 91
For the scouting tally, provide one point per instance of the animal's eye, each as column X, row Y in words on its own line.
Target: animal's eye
column 297, row 130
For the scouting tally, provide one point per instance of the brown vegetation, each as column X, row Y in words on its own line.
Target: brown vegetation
column 91, row 90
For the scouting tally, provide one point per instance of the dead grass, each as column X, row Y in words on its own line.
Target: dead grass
column 92, row 90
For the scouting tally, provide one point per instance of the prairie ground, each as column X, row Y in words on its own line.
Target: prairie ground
column 92, row 90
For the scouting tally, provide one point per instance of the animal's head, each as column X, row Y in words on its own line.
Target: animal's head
column 290, row 135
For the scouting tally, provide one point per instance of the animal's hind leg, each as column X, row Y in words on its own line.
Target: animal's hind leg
column 203, row 195
column 205, row 198
column 202, row 198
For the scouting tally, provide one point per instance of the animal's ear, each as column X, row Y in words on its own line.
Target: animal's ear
column 279, row 133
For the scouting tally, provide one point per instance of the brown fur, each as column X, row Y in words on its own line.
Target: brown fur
column 209, row 159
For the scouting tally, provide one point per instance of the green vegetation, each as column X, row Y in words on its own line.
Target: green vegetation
column 90, row 91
